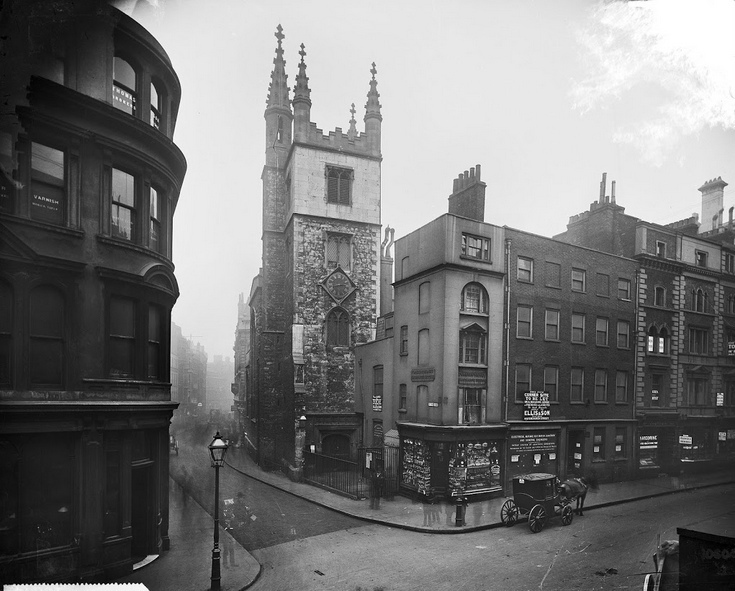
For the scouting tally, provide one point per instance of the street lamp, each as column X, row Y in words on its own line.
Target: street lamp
column 217, row 451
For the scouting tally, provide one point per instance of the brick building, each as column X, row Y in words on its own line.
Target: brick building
column 318, row 289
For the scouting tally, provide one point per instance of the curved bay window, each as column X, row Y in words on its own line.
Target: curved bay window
column 155, row 332
column 124, row 94
column 474, row 299
column 47, row 328
column 155, row 107
column 123, row 205
column 122, row 337
column 154, row 239
column 473, row 346
column 338, row 328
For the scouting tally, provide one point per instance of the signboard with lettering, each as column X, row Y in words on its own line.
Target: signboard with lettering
column 471, row 377
column 423, row 374
column 47, row 206
column 648, row 442
column 532, row 442
column 720, row 399
column 536, row 406
column 731, row 348
column 685, row 439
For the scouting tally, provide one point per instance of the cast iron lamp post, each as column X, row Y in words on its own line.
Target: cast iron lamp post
column 217, row 451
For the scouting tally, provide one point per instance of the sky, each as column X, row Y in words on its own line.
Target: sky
column 545, row 96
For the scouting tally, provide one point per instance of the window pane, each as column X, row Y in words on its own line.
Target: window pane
column 48, row 195
column 123, row 187
column 47, row 312
column 122, row 317
column 124, row 86
column 47, row 163
column 577, row 328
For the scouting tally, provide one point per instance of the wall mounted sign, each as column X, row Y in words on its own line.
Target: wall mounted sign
column 536, row 406
column 423, row 374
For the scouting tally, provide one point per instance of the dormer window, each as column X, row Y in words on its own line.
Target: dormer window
column 124, row 96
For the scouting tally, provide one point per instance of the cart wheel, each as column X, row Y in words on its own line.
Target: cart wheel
column 567, row 514
column 537, row 518
column 509, row 513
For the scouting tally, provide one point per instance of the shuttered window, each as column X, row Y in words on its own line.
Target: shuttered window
column 339, row 185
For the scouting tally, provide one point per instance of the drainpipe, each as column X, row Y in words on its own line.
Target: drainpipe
column 507, row 325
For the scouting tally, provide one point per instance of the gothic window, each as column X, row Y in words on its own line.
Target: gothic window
column 339, row 251
column 339, row 185
column 47, row 335
column 338, row 328
column 699, row 300
column 474, row 298
column 124, row 94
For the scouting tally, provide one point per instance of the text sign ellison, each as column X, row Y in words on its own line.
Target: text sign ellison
column 730, row 348
column 536, row 406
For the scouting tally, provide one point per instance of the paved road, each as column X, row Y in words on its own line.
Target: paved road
column 607, row 549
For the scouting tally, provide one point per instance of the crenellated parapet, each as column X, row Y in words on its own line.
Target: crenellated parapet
column 340, row 141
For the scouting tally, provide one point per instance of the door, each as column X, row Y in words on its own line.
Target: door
column 575, row 453
column 439, row 466
column 141, row 512
column 336, row 446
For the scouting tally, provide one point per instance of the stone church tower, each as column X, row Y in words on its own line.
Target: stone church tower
column 318, row 290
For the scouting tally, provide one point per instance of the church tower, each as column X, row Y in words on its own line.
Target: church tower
column 319, row 285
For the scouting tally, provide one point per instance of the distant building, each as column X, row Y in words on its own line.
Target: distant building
column 191, row 375
column 219, row 384
column 240, row 386
column 89, row 183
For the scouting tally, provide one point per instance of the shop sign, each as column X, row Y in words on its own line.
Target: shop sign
column 685, row 439
column 654, row 396
column 536, row 406
column 648, row 442
column 423, row 374
column 720, row 399
column 532, row 442
column 731, row 348
column 471, row 377
column 722, row 436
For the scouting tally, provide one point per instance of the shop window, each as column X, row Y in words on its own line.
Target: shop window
column 474, row 299
column 378, row 388
column 122, row 337
column 699, row 449
column 47, row 335
column 154, row 236
column 600, row 385
column 603, row 285
column 402, row 395
column 339, row 185
column 576, row 381
column 579, row 280
column 155, row 339
column 624, row 289
column 552, row 325
column 475, row 247
column 6, row 334
column 697, row 390
column 124, row 86
column 524, row 322
column 601, row 332
column 578, row 326
column 471, row 405
column 621, row 386
column 123, row 205
column 473, row 346
column 623, row 334
column 698, row 341
column 525, row 269
column 424, row 297
column 338, row 328
column 551, row 382
column 48, row 184
column 156, row 101
column 404, row 340
column 659, row 297
column 523, row 380
column 339, row 251
column 553, row 274
column 598, row 444
column 621, row 447
column 423, row 353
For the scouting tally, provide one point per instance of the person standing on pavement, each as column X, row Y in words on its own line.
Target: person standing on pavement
column 228, row 548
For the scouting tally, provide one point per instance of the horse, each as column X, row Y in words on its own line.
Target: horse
column 576, row 488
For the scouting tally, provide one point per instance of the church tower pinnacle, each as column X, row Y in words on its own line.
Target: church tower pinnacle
column 373, row 118
column 302, row 101
column 278, row 115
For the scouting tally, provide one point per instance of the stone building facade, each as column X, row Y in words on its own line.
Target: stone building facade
column 318, row 289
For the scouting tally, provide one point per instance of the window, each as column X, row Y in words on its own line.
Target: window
column 620, row 445
column 603, row 285
column 122, row 337
column 339, row 251
column 623, row 334
column 475, row 247
column 701, row 258
column 6, row 334
column 579, row 280
column 552, row 325
column 730, row 393
column 423, row 352
column 472, row 346
column 48, row 184
column 600, row 385
column 657, row 341
column 660, row 249
column 551, row 382
column 378, row 388
column 699, row 300
column 471, row 405
column 553, row 274
column 576, row 380
column 424, row 297
column 155, row 332
column 155, row 107
column 124, row 95
column 697, row 390
column 578, row 321
column 624, row 289
column 404, row 340
column 729, row 262
column 524, row 325
column 339, row 185
column 659, row 296
column 338, row 328
column 598, row 444
column 731, row 304
column 621, row 386
column 7, row 162
column 698, row 341
column 402, row 393
column 474, row 298
column 523, row 380
column 155, row 228
column 123, row 205
column 525, row 269
column 601, row 332
column 47, row 329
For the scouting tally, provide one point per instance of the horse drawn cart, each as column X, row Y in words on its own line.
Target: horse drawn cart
column 538, row 496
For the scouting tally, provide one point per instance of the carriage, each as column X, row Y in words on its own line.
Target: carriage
column 538, row 496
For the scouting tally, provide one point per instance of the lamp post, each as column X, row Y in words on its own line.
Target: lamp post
column 217, row 451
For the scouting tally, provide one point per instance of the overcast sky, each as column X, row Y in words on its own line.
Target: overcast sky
column 545, row 96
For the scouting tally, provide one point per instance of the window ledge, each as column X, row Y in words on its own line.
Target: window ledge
column 404, row 354
column 552, row 340
column 59, row 229
column 402, row 410
column 475, row 259
column 132, row 246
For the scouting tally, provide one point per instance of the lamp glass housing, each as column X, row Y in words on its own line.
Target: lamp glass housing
column 218, row 450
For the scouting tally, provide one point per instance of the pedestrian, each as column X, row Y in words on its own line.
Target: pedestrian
column 375, row 489
column 228, row 547
column 242, row 513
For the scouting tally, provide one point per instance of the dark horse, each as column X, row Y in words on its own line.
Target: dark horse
column 576, row 488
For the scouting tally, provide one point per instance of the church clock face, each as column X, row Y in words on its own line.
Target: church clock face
column 338, row 285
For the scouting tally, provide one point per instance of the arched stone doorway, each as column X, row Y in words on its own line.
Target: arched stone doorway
column 336, row 445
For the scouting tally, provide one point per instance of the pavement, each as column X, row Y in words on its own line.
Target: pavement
column 187, row 565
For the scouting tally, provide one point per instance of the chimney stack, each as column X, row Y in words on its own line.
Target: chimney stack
column 712, row 198
column 468, row 195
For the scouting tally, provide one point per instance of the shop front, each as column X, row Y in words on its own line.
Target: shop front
column 698, row 444
column 656, row 446
column 533, row 451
